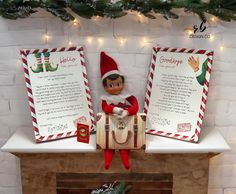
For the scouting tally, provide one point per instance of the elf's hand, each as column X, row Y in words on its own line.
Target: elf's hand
column 118, row 110
column 124, row 114
column 193, row 63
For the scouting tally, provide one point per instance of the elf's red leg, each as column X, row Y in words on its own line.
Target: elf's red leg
column 124, row 154
column 108, row 155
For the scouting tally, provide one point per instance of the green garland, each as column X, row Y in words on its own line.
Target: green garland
column 13, row 9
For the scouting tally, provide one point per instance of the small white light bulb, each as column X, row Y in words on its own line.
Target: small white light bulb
column 89, row 39
column 222, row 47
column 212, row 37
column 96, row 18
column 140, row 17
column 122, row 41
column 100, row 41
column 46, row 37
column 144, row 41
column 75, row 22
column 190, row 32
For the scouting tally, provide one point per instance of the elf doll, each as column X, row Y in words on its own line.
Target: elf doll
column 116, row 101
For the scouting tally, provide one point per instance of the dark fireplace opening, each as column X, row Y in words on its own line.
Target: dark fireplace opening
column 139, row 183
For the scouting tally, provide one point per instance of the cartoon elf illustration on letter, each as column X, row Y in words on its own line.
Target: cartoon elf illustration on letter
column 200, row 73
column 47, row 64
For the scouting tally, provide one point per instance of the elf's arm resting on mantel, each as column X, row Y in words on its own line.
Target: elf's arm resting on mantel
column 133, row 109
column 107, row 108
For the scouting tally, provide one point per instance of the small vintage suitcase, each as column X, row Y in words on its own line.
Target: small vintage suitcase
column 117, row 133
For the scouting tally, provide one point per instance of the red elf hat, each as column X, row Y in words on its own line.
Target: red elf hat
column 108, row 66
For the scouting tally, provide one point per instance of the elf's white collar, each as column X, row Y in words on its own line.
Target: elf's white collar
column 116, row 99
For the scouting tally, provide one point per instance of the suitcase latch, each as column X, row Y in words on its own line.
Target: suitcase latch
column 107, row 127
column 121, row 125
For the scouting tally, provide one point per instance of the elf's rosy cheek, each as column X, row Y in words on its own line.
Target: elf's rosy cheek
column 114, row 91
column 109, row 90
column 120, row 88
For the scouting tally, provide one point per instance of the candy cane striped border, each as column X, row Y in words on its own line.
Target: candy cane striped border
column 38, row 137
column 195, row 137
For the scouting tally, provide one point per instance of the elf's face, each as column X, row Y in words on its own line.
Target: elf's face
column 114, row 87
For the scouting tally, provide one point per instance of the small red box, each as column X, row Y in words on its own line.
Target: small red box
column 83, row 133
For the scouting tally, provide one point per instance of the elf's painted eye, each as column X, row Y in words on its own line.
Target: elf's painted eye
column 111, row 85
column 119, row 84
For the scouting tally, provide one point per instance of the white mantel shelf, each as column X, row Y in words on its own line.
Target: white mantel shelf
column 22, row 141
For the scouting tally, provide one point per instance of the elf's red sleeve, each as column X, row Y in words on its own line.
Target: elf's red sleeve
column 134, row 105
column 107, row 108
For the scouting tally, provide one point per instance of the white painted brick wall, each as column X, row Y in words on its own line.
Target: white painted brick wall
column 215, row 191
column 230, row 191
column 4, row 107
column 133, row 59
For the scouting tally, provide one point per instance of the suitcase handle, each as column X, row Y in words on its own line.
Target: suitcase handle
column 127, row 138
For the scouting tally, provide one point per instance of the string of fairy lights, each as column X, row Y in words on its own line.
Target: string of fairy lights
column 213, row 21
